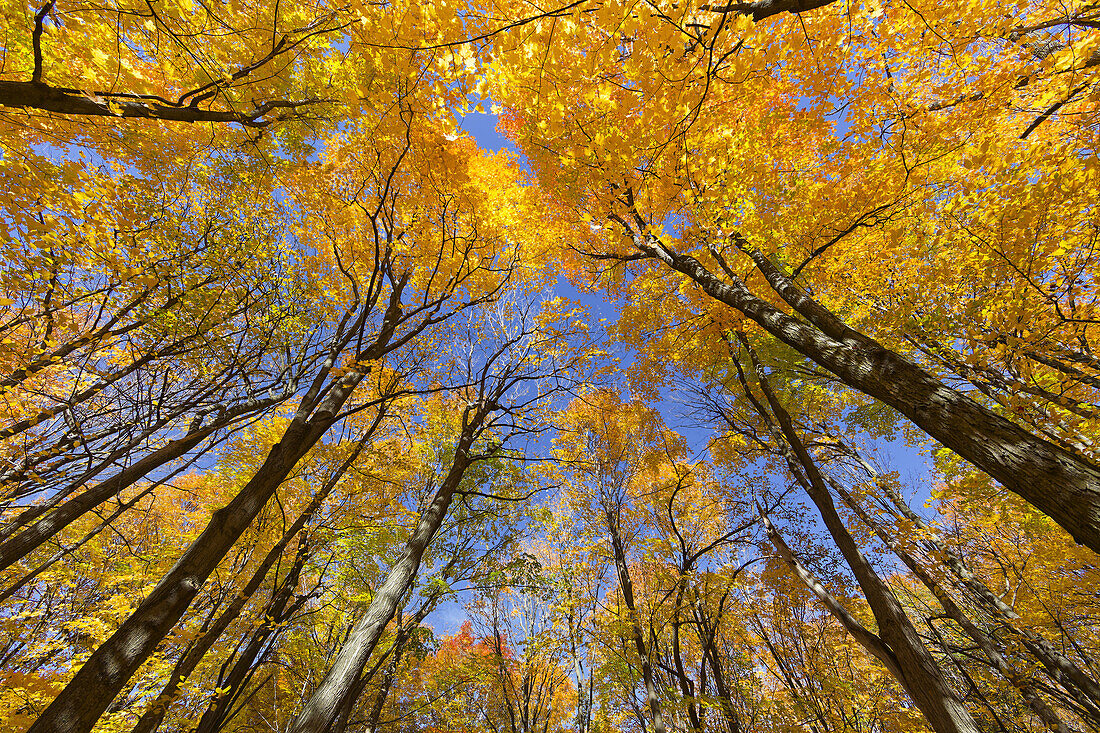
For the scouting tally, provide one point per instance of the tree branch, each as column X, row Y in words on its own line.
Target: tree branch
column 35, row 95
column 761, row 9
column 36, row 40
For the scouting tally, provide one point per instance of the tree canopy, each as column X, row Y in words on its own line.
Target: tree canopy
column 310, row 421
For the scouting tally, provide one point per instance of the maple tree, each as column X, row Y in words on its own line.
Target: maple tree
column 758, row 160
column 288, row 374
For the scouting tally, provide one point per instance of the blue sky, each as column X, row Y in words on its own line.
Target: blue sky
column 483, row 127
column 912, row 463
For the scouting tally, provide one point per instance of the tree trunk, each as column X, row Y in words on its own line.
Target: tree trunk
column 152, row 717
column 637, row 636
column 327, row 700
column 80, row 704
column 996, row 659
column 1063, row 486
column 920, row 673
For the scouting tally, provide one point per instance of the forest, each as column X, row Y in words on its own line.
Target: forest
column 747, row 387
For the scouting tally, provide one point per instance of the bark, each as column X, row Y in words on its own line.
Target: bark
column 996, row 659
column 80, row 704
column 41, row 97
column 503, row 674
column 380, row 698
column 85, row 698
column 761, row 9
column 325, row 704
column 218, row 711
column 637, row 636
column 66, row 550
column 153, row 717
column 582, row 720
column 394, row 654
column 1063, row 486
column 687, row 687
column 920, row 673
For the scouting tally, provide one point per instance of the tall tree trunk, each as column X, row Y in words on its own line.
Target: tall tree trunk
column 1063, row 486
column 80, row 704
column 637, row 635
column 921, row 674
column 218, row 710
column 687, row 686
column 379, row 699
column 996, row 659
column 153, row 717
column 1081, row 687
column 327, row 700
column 583, row 718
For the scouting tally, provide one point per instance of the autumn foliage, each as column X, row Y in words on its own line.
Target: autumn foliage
column 752, row 388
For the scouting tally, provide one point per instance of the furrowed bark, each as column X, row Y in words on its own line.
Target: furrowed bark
column 389, row 674
column 327, row 701
column 919, row 671
column 996, row 659
column 1063, row 486
column 380, row 698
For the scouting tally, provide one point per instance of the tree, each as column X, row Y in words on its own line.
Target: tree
column 511, row 379
column 640, row 141
column 378, row 337
column 284, row 378
column 829, row 450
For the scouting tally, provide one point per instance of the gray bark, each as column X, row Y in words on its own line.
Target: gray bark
column 919, row 672
column 1063, row 486
column 80, row 704
column 327, row 701
column 992, row 651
